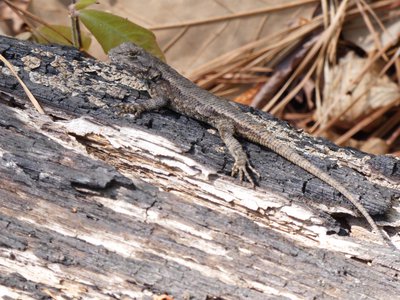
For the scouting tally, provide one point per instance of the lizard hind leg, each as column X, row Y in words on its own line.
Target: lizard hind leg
column 242, row 165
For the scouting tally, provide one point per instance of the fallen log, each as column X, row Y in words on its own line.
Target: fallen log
column 97, row 205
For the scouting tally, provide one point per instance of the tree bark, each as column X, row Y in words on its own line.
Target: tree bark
column 98, row 205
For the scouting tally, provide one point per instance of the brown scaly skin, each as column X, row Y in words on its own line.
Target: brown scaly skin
column 168, row 88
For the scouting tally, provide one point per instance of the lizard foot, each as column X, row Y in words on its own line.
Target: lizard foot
column 241, row 167
column 134, row 109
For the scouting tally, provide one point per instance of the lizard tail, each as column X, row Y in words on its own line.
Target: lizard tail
column 300, row 161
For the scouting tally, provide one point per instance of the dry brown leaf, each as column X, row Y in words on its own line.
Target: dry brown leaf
column 356, row 32
column 372, row 92
column 247, row 96
column 14, row 22
column 53, row 12
column 375, row 146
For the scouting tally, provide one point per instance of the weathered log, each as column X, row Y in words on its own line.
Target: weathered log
column 97, row 205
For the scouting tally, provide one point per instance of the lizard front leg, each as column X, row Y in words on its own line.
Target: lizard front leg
column 226, row 130
column 137, row 108
column 157, row 90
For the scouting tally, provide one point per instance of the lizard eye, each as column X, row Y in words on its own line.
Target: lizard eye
column 157, row 76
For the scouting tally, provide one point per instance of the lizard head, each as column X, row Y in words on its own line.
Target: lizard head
column 134, row 58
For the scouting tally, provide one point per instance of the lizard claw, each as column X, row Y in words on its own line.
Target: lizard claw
column 241, row 167
column 134, row 109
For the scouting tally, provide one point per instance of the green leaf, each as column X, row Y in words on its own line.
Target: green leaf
column 111, row 30
column 58, row 34
column 84, row 3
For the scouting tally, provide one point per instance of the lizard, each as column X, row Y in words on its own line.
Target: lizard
column 168, row 88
